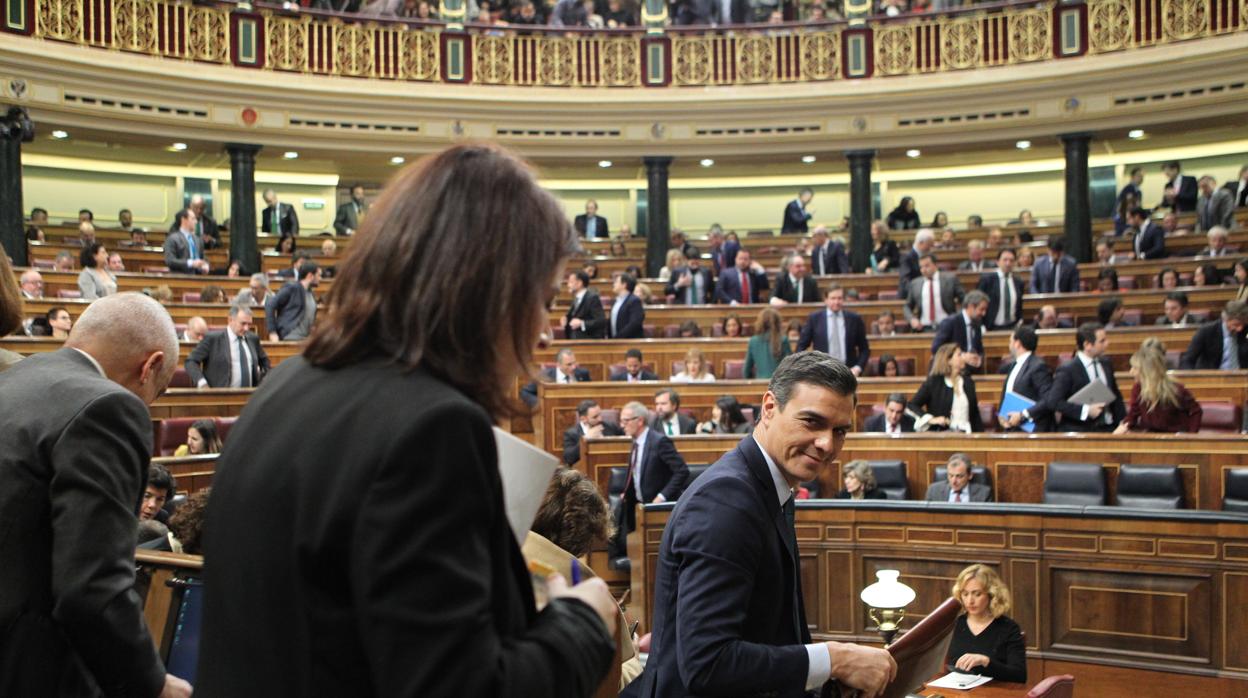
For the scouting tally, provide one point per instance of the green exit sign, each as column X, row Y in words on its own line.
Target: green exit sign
column 313, row 204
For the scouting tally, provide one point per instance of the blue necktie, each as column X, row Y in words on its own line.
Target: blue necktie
column 190, row 240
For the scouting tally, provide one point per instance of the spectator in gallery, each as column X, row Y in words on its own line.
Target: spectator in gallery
column 95, row 280
column 1150, row 238
column 904, row 217
column 1167, row 279
column 1107, row 280
column 986, row 640
column 1220, row 344
column 697, row 369
column 278, row 218
column 731, row 324
column 525, row 13
column 634, row 368
column 618, row 14
column 889, row 367
column 767, row 346
column 940, row 221
column 1206, row 275
column 1158, row 402
column 201, row 439
column 797, row 213
column 946, row 401
column 893, row 420
column 859, row 482
column 884, row 253
column 573, row 13
column 1175, row 311
column 726, row 418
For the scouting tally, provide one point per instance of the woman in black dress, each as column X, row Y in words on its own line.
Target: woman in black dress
column 904, row 217
column 985, row 640
column 860, row 482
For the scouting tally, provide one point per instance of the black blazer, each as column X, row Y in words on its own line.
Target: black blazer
column 628, row 323
column 283, row 310
column 1033, row 383
column 591, row 313
column 600, row 231
column 936, row 398
column 572, row 440
column 729, row 287
column 876, row 423
column 727, row 570
column 1150, row 242
column 1205, row 349
column 796, row 220
column 954, row 329
column 832, row 259
column 289, row 221
column 680, row 295
column 786, row 290
column 350, row 566
column 908, row 270
column 1042, row 275
column 990, row 283
column 1069, row 378
column 348, row 218
column 815, row 334
column 1185, row 193
column 547, row 375
column 663, row 471
column 72, row 472
column 210, row 359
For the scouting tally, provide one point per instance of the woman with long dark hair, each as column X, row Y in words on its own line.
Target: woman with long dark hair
column 946, row 401
column 767, row 346
column 904, row 217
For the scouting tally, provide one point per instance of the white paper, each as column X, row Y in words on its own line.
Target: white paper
column 959, row 680
column 526, row 471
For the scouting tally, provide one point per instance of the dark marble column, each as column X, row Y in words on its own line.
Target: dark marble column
column 859, row 208
column 658, row 218
column 15, row 129
column 243, row 245
column 1078, row 218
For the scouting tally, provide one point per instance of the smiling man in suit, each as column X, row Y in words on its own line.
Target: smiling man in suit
column 278, row 218
column 794, row 284
column 229, row 358
column 1005, row 292
column 743, row 282
column 589, row 423
column 893, row 420
column 656, row 473
column 1055, row 272
column 1088, row 364
column 1027, row 375
column 586, row 318
column 837, row 332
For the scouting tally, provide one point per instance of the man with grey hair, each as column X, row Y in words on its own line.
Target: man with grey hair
column 229, row 358
column 729, row 566
column 73, row 469
column 32, row 284
column 656, row 474
column 205, row 227
column 965, row 329
column 1217, row 236
column 827, row 256
column 1215, row 207
column 793, row 283
column 908, row 268
column 957, row 486
column 257, row 292
column 564, row 371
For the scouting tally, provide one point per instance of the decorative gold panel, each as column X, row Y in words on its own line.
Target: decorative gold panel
column 208, row 34
column 59, row 19
column 419, row 55
column 288, row 42
column 1184, row 19
column 960, row 43
column 134, row 25
column 1029, row 36
column 821, row 55
column 620, row 62
column 556, row 61
column 353, row 50
column 1110, row 25
column 894, row 50
column 756, row 58
column 691, row 60
column 491, row 60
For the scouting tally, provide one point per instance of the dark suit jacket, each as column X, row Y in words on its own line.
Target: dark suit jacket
column 1218, row 209
column 572, row 440
column 1205, row 349
column 876, row 423
column 72, row 472
column 348, row 218
column 601, row 231
column 645, row 375
column 210, row 359
column 936, row 398
column 178, row 252
column 954, row 329
column 628, row 323
column 939, row 492
column 831, row 260
column 815, row 334
column 1069, row 378
column 1150, row 242
column 1185, row 193
column 908, row 270
column 340, row 569
column 729, row 287
column 786, row 290
column 591, row 313
column 990, row 284
column 1240, row 199
column 950, row 295
column 1042, row 275
column 282, row 312
column 796, row 220
column 688, row 425
column 1032, row 383
column 289, row 221
column 681, row 294
column 727, row 571
column 547, row 375
column 663, row 471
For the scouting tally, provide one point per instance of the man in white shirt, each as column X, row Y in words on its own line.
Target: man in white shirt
column 667, row 417
column 32, row 284
column 1004, row 291
column 975, row 261
column 933, row 296
column 229, row 358
column 1217, row 243
column 1088, row 364
column 563, row 372
column 256, row 293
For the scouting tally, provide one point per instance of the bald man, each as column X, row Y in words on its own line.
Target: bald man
column 72, row 473
column 196, row 328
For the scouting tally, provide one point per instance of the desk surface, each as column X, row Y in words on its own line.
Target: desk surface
column 992, row 689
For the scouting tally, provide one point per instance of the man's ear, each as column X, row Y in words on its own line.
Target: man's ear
column 151, row 367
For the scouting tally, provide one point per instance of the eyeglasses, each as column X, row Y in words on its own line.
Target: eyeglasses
column 628, row 419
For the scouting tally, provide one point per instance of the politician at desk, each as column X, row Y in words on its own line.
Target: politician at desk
column 985, row 640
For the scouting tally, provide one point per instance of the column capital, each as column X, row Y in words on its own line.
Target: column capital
column 657, row 161
column 243, row 148
column 860, row 154
column 1075, row 137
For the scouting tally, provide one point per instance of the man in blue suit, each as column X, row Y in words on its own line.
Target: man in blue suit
column 1150, row 238
column 965, row 329
column 656, row 474
column 728, row 563
column 1055, row 273
column 850, row 332
column 742, row 283
column 796, row 217
column 627, row 313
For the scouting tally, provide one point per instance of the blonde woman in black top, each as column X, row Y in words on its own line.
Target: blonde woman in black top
column 985, row 640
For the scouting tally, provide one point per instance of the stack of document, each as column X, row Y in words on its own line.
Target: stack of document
column 1014, row 402
column 960, row 681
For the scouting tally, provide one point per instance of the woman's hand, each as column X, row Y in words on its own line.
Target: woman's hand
column 593, row 592
column 1122, row 428
column 939, row 421
column 969, row 661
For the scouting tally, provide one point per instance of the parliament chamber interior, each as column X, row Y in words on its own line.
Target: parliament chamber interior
column 1018, row 231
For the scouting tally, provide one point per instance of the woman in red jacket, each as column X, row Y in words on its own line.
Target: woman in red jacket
column 1158, row 402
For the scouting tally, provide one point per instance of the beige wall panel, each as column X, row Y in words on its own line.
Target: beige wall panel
column 1221, row 167
column 744, row 208
column 997, row 198
column 614, row 204
column 152, row 199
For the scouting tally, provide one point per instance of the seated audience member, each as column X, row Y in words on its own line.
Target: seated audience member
column 1217, row 236
column 1107, row 280
column 85, row 216
column 837, row 332
column 1026, row 258
column 291, row 273
column 589, row 423
column 64, row 261
column 893, row 420
column 1175, row 311
column 860, row 482
column 828, row 256
column 184, row 248
column 658, row 474
column 196, row 330
column 31, row 283
column 889, row 368
column 957, row 487
column 793, row 330
column 947, row 239
column 618, row 15
column 160, row 488
column 634, row 370
column 1215, row 207
column 646, row 296
column 1088, row 364
column 933, row 295
column 292, row 312
column 1105, row 255
column 793, row 283
column 38, row 221
column 1220, row 344
column 667, row 416
column 767, row 346
column 1056, row 272
column 995, row 237
column 229, row 358
column 86, row 233
column 689, row 328
column 592, row 269
column 985, row 640
column 904, row 217
column 211, row 294
column 618, row 248
column 1158, row 402
column 115, row 263
column 201, row 439
column 697, row 369
column 886, row 324
column 95, row 280
column 257, row 292
column 564, row 371
column 627, row 316
column 884, row 253
column 691, row 283
column 1005, row 292
column 1206, row 275
column 974, row 221
column 286, row 245
column 585, row 318
column 1167, row 279
column 731, row 324
column 1170, row 225
column 675, row 259
column 60, row 322
column 975, row 260
column 726, row 418
column 187, row 523
column 1240, row 273
column 161, row 294
column 1028, row 375
column 138, row 238
column 965, row 329
column 947, row 400
column 1109, row 312
column 742, row 283
column 525, row 13
column 1150, row 238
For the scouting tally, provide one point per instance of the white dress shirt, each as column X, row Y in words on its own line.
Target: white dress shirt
column 236, row 374
column 1004, row 282
column 640, row 443
column 1095, row 372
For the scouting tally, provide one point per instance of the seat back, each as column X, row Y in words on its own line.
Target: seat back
column 890, row 477
column 1221, row 417
column 1062, row 686
column 920, row 653
column 979, row 475
column 696, row 470
column 171, row 434
column 1150, row 486
column 66, row 293
column 190, row 297
column 611, row 416
column 734, row 369
column 1235, row 490
column 615, row 485
column 1080, row 484
column 224, row 424
column 181, row 379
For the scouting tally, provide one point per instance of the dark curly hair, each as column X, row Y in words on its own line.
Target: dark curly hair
column 187, row 523
column 573, row 514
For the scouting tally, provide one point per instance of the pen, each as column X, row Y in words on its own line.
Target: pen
column 576, row 571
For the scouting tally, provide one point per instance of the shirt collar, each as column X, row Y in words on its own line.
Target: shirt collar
column 783, row 491
column 94, row 363
column 1022, row 358
column 641, row 437
column 1086, row 360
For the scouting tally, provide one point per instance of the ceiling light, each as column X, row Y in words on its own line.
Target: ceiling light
column 913, row 153
column 290, row 155
column 604, row 163
column 397, row 160
column 179, row 146
column 1135, row 133
column 707, row 162
column 60, row 135
column 1023, row 145
column 808, row 159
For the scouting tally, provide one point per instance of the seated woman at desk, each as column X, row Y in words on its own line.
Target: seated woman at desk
column 947, row 400
column 860, row 482
column 985, row 640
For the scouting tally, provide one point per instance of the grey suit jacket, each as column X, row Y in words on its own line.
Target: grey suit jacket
column 178, row 253
column 91, row 287
column 950, row 295
column 348, row 218
column 939, row 492
column 210, row 359
column 1218, row 209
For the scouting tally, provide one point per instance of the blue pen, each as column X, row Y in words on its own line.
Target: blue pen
column 576, row 571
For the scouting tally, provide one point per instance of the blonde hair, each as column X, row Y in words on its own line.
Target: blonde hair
column 675, row 258
column 861, row 470
column 695, row 354
column 1157, row 388
column 943, row 359
column 998, row 593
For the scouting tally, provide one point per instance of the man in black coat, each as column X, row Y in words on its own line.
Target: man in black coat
column 278, row 218
column 794, row 284
column 590, row 224
column 965, row 329
column 1183, row 186
column 347, row 220
column 691, row 285
column 229, row 358
column 289, row 314
column 628, row 315
column 634, row 369
column 1150, row 238
column 564, row 371
column 1055, row 272
column 729, row 617
column 846, row 326
column 1220, row 344
column 796, row 216
column 589, row 423
column 826, row 256
column 667, row 418
column 893, row 420
column 1027, row 375
column 997, row 284
column 77, row 445
column 656, row 473
column 586, row 318
column 1088, row 363
column 744, row 282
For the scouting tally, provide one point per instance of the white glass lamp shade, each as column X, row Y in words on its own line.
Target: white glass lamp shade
column 887, row 592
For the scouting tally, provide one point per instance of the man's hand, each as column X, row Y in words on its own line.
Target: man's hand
column 972, row 358
column 868, row 669
column 684, row 281
column 856, row 370
column 594, row 431
column 659, row 499
column 593, row 592
column 882, row 264
column 969, row 661
column 757, row 268
column 175, row 688
column 576, row 323
column 1095, row 410
column 939, row 421
column 778, row 301
column 916, row 324
column 1122, row 428
column 274, row 338
column 1013, row 419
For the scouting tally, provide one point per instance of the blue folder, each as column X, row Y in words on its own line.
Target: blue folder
column 1014, row 402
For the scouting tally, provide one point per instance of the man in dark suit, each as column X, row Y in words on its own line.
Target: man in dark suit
column 793, row 283
column 796, row 216
column 837, row 332
column 1215, row 207
column 347, row 221
column 1002, row 285
column 1220, row 344
column 586, row 318
column 965, row 329
column 1132, row 187
column 589, row 423
column 1150, row 238
column 1088, row 364
column 667, row 417
column 728, row 606
column 656, row 474
column 826, row 256
column 1027, row 375
column 278, row 218
column 627, row 313
column 229, row 358
column 73, row 470
column 975, row 260
column 590, row 224
column 744, row 282
column 933, row 295
column 957, row 487
column 1184, row 187
column 564, row 371
column 634, row 370
column 1238, row 188
column 893, row 420
column 290, row 314
column 205, row 226
column 184, row 248
column 692, row 284
column 908, row 269
column 1055, row 272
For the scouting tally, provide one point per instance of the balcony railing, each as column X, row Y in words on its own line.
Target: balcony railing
column 319, row 43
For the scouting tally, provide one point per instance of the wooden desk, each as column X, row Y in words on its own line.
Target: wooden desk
column 277, row 351
column 216, row 314
column 138, row 257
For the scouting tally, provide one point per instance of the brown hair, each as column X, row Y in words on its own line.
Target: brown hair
column 10, row 298
column 573, row 515
column 393, row 296
column 770, row 323
column 187, row 523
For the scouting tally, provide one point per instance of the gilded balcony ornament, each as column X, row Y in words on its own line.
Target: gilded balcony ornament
column 1110, row 25
column 894, row 50
column 492, row 59
column 59, row 19
column 620, row 61
column 287, row 42
column 134, row 25
column 756, row 58
column 1184, row 19
column 959, row 44
column 353, row 50
column 821, row 55
column 1030, row 38
column 419, row 55
column 208, row 34
column 556, row 61
column 691, row 60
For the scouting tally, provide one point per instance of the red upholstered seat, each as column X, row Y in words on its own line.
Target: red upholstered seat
column 988, row 414
column 224, row 424
column 65, row 293
column 1062, row 686
column 43, row 263
column 889, row 295
column 1221, row 417
column 734, row 369
column 1132, row 317
column 181, row 379
column 171, row 434
column 611, row 416
column 557, row 332
column 649, row 331
column 155, row 270
column 190, row 297
column 671, row 331
column 1126, row 283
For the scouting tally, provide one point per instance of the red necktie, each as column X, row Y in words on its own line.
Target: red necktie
column 931, row 300
column 745, row 287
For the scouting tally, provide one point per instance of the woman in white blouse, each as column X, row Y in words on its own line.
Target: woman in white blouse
column 696, row 369
column 675, row 260
column 95, row 280
column 946, row 400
